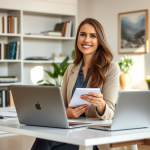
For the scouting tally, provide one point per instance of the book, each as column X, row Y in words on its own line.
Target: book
column 17, row 50
column 2, row 49
column 3, row 98
column 67, row 30
column 1, row 101
column 64, row 29
column 8, row 80
column 12, row 49
column 5, row 24
column 6, row 54
column 10, row 20
column 51, row 33
column 11, row 99
column 7, row 98
column 7, row 76
column 59, row 27
column 1, row 24
column 16, row 25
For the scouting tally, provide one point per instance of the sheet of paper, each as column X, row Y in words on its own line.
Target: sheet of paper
column 77, row 101
column 8, row 114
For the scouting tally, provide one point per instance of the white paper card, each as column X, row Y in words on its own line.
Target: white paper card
column 8, row 114
column 77, row 101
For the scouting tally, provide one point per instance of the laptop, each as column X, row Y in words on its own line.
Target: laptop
column 41, row 106
column 132, row 112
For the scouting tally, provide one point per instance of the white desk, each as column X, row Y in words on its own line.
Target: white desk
column 83, row 137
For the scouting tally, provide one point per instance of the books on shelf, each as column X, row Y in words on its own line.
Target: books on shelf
column 9, row 50
column 63, row 29
column 8, row 79
column 6, row 99
column 9, row 24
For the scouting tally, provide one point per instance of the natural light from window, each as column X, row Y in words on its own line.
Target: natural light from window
column 37, row 74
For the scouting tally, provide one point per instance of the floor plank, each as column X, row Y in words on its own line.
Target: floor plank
column 17, row 142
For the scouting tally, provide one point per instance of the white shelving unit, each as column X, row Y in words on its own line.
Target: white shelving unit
column 41, row 17
column 31, row 45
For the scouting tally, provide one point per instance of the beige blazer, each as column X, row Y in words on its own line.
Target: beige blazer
column 109, row 90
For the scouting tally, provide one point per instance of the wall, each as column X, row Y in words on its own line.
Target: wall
column 106, row 12
column 45, row 6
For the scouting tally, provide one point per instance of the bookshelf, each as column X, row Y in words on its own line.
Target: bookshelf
column 32, row 45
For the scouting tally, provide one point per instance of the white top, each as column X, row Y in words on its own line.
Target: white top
column 79, row 136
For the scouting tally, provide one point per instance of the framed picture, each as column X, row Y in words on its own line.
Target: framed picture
column 133, row 32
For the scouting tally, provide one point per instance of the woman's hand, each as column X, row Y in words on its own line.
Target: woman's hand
column 75, row 112
column 97, row 100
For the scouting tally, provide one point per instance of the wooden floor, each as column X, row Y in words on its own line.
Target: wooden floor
column 17, row 142
column 22, row 142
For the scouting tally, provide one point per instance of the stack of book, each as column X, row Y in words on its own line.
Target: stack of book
column 10, row 50
column 8, row 79
column 61, row 29
column 9, row 24
column 6, row 99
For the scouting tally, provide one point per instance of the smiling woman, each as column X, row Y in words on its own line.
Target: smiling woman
column 92, row 68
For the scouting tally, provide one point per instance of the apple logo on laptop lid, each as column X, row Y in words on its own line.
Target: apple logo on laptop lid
column 38, row 107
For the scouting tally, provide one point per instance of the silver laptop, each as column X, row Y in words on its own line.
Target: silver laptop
column 41, row 106
column 132, row 111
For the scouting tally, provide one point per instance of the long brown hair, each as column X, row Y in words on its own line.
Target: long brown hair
column 101, row 59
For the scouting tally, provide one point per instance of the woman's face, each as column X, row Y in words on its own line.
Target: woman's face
column 87, row 40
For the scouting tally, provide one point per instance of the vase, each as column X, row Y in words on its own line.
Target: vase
column 126, row 81
column 149, row 86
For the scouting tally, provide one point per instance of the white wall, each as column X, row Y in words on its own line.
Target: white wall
column 106, row 12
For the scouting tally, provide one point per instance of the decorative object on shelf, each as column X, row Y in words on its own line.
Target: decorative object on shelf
column 58, row 58
column 133, row 32
column 73, row 54
column 57, row 75
column 37, row 58
column 148, row 81
column 125, row 64
column 38, row 34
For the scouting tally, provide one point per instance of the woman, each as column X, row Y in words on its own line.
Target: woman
column 92, row 68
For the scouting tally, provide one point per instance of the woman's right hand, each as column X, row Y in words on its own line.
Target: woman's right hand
column 75, row 112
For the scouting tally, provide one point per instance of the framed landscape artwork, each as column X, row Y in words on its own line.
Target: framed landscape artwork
column 133, row 32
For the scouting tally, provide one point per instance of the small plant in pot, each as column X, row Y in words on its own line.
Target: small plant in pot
column 125, row 64
column 57, row 75
column 148, row 81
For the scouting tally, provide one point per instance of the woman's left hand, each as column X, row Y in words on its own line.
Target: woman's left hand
column 97, row 100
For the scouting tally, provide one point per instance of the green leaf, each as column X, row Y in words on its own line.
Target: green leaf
column 73, row 54
column 64, row 63
column 50, row 74
column 125, row 63
column 40, row 81
column 56, row 68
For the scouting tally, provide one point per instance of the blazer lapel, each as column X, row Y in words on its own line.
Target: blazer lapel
column 72, row 80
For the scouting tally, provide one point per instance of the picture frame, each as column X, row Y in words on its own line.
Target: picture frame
column 133, row 32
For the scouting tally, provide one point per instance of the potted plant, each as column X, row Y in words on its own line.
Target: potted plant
column 125, row 64
column 148, row 81
column 57, row 75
